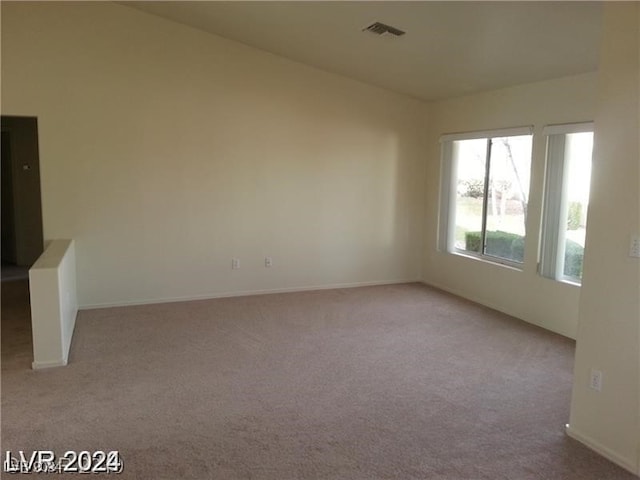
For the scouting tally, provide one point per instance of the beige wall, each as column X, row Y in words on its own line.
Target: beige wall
column 166, row 151
column 524, row 294
column 609, row 326
column 54, row 304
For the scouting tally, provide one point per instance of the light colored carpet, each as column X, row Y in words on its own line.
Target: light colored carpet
column 391, row 382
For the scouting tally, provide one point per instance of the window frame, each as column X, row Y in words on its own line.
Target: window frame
column 448, row 191
column 554, row 201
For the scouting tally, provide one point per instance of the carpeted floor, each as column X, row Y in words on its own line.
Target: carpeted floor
column 391, row 382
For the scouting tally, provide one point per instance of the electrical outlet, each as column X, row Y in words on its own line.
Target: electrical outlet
column 634, row 246
column 235, row 263
column 268, row 262
column 595, row 382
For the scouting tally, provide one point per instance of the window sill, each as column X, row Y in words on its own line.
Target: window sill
column 518, row 267
column 568, row 281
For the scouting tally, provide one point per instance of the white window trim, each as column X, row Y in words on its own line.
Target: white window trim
column 567, row 128
column 552, row 238
column 447, row 199
column 446, row 228
column 502, row 132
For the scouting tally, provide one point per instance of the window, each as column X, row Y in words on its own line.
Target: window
column 568, row 176
column 485, row 194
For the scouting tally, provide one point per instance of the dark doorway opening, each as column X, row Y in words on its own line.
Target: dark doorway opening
column 22, row 239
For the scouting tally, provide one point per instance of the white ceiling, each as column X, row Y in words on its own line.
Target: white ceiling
column 450, row 48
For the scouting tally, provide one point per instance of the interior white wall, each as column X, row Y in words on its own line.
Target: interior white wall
column 524, row 294
column 54, row 306
column 68, row 294
column 609, row 327
column 166, row 151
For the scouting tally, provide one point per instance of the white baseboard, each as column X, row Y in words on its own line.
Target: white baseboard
column 48, row 364
column 245, row 293
column 602, row 450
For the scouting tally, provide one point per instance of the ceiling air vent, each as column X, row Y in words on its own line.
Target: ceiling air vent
column 383, row 30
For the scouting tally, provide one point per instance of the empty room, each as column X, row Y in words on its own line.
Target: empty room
column 321, row 240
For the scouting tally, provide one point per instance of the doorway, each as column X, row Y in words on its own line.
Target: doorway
column 22, row 239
